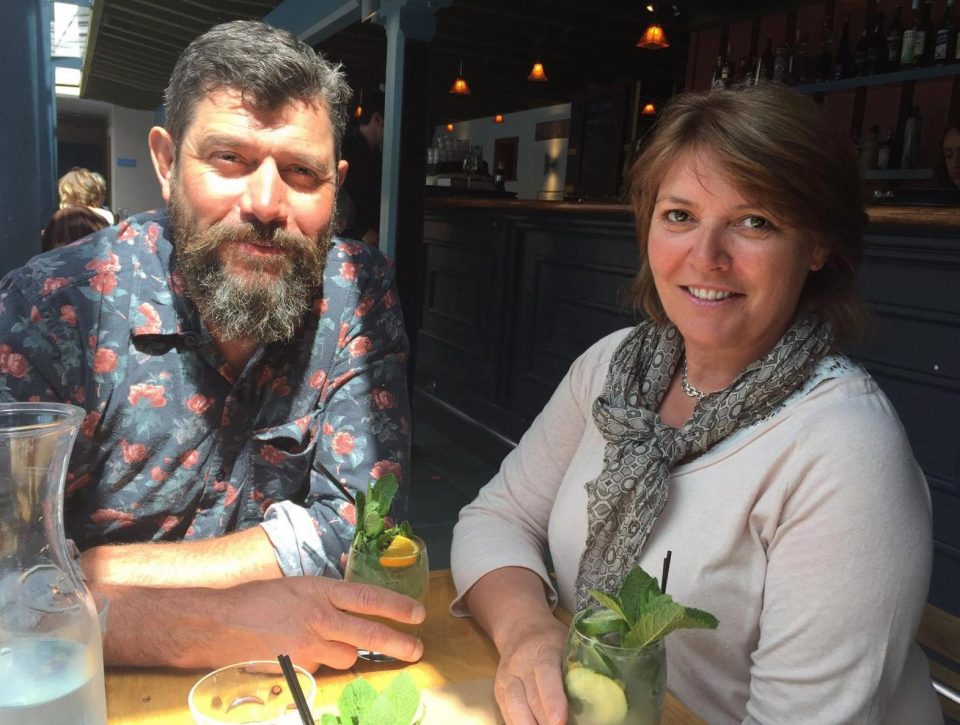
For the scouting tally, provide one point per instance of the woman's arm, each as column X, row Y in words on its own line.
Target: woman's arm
column 847, row 571
column 528, row 686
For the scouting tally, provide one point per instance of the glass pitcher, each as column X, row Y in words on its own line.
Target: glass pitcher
column 51, row 653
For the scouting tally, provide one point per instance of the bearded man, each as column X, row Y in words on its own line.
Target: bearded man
column 243, row 373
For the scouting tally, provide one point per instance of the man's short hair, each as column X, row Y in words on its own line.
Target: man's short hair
column 270, row 67
column 371, row 105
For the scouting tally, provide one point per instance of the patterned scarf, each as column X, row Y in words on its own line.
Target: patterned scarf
column 624, row 501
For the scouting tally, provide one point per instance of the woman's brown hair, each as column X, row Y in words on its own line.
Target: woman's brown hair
column 778, row 149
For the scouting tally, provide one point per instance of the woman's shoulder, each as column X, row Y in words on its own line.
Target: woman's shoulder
column 589, row 371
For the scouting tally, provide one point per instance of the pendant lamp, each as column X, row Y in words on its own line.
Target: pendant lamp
column 460, row 87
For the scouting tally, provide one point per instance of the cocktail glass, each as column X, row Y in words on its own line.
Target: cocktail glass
column 254, row 693
column 608, row 684
column 409, row 575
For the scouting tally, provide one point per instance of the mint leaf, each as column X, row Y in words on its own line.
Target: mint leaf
column 402, row 700
column 356, row 699
column 697, row 619
column 329, row 719
column 663, row 615
column 383, row 491
column 608, row 601
column 637, row 589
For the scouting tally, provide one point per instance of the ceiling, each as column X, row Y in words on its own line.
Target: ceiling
column 134, row 45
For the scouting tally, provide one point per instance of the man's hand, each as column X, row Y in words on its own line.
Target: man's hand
column 528, row 684
column 311, row 618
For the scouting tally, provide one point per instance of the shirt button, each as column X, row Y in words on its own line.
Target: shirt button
column 221, row 475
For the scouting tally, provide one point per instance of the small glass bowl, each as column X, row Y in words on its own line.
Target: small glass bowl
column 248, row 692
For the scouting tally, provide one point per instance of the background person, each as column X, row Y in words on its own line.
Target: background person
column 363, row 151
column 242, row 371
column 69, row 224
column 81, row 187
column 728, row 429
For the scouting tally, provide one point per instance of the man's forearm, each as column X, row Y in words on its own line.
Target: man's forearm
column 221, row 562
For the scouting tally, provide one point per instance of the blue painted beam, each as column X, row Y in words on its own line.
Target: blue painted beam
column 314, row 20
column 27, row 142
column 64, row 62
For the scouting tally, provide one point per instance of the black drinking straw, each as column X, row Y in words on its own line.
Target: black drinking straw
column 665, row 572
column 290, row 675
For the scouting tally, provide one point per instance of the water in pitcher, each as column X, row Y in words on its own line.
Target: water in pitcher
column 45, row 681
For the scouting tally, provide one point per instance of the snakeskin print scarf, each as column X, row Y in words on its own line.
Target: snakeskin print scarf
column 624, row 501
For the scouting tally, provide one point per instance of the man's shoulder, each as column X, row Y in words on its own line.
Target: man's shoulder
column 100, row 261
column 356, row 261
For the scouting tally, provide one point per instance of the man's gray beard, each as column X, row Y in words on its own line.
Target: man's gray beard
column 268, row 308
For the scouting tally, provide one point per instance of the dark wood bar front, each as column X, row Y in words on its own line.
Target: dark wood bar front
column 514, row 291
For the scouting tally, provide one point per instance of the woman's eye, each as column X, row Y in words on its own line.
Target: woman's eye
column 677, row 215
column 756, row 222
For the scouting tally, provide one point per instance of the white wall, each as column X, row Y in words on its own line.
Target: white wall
column 133, row 188
column 530, row 157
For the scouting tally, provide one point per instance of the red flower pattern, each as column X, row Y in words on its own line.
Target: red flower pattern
column 133, row 452
column 360, row 346
column 342, row 443
column 199, row 404
column 104, row 361
column 382, row 468
column 152, row 317
column 145, row 391
column 384, row 399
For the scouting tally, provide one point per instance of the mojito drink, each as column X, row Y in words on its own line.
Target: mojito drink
column 609, row 684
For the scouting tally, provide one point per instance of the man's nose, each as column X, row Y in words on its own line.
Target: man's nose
column 265, row 197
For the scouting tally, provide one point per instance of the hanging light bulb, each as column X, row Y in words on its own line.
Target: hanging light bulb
column 449, row 128
column 498, row 118
column 649, row 110
column 537, row 73
column 359, row 109
column 654, row 38
column 460, row 87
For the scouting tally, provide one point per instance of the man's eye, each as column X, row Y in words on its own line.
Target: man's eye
column 227, row 157
column 677, row 215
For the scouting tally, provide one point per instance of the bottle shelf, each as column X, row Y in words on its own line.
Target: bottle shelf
column 881, row 79
column 898, row 174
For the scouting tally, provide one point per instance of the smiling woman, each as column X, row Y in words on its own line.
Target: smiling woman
column 728, row 427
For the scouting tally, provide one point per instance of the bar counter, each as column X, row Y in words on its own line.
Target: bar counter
column 943, row 216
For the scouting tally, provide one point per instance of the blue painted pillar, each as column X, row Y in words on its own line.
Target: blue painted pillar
column 27, row 119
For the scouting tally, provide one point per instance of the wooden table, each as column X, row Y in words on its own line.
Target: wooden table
column 455, row 650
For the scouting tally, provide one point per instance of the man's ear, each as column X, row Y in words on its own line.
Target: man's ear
column 342, row 172
column 162, row 155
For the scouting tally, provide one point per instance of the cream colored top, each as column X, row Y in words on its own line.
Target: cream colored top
column 807, row 535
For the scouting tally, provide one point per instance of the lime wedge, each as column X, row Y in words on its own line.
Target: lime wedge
column 604, row 701
column 601, row 622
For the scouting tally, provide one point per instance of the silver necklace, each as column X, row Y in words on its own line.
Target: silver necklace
column 686, row 387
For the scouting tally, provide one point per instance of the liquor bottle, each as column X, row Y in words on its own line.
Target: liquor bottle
column 728, row 69
column 779, row 74
column 877, row 48
column 798, row 63
column 841, row 64
column 945, row 47
column 910, row 29
column 894, row 38
column 860, row 53
column 885, row 152
column 870, row 148
column 923, row 37
column 911, row 139
column 717, row 80
column 767, row 61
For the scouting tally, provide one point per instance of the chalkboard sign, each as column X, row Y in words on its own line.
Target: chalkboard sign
column 595, row 150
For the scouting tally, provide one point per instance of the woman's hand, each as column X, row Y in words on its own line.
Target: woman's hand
column 528, row 685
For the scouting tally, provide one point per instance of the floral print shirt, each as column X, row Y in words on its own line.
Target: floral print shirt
column 174, row 446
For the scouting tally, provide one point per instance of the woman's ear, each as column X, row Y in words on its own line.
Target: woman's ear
column 162, row 155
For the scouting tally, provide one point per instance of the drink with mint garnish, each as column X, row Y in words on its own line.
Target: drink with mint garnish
column 614, row 665
column 387, row 556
